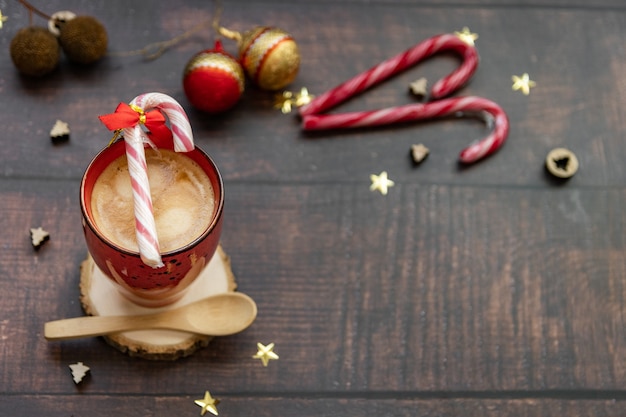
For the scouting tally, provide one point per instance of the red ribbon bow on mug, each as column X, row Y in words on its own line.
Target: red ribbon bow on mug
column 127, row 116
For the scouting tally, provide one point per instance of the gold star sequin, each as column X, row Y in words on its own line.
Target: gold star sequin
column 287, row 99
column 303, row 97
column 284, row 101
column 2, row 19
column 523, row 83
column 381, row 182
column 208, row 403
column 265, row 353
column 466, row 36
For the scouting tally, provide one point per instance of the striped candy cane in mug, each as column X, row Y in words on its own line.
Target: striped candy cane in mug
column 147, row 110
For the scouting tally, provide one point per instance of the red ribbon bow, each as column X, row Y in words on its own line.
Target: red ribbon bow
column 126, row 116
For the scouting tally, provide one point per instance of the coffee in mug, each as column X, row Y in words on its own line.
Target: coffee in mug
column 187, row 197
column 182, row 200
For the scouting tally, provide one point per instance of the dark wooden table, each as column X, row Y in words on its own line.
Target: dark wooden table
column 487, row 290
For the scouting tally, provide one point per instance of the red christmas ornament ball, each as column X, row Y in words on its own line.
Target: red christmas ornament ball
column 213, row 80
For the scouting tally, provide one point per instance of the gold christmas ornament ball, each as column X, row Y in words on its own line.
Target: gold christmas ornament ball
column 270, row 57
column 34, row 51
column 83, row 39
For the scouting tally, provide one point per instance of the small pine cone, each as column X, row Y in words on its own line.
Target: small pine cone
column 83, row 39
column 35, row 51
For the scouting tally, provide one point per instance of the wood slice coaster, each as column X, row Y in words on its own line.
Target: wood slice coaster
column 99, row 296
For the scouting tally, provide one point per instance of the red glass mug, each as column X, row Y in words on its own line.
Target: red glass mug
column 140, row 283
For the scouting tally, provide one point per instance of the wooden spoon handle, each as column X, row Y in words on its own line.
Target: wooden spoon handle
column 94, row 326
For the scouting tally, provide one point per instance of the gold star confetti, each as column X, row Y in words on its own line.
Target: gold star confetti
column 419, row 87
column 284, row 101
column 523, row 83
column 381, row 182
column 287, row 99
column 79, row 370
column 265, row 353
column 466, row 36
column 2, row 19
column 303, row 97
column 208, row 403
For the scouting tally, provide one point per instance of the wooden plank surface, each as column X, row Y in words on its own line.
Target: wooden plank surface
column 576, row 62
column 483, row 290
column 477, row 293
column 183, row 405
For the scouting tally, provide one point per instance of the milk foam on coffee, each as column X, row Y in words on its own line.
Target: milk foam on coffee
column 182, row 200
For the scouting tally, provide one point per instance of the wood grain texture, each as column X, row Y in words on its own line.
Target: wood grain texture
column 307, row 407
column 487, row 290
column 483, row 289
column 576, row 62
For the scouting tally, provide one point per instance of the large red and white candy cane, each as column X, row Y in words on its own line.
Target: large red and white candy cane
column 179, row 123
column 399, row 63
column 135, row 139
column 423, row 111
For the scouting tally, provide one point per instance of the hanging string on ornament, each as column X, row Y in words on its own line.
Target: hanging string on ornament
column 269, row 55
column 156, row 49
column 33, row 10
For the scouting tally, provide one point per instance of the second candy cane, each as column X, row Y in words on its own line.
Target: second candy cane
column 419, row 111
column 399, row 63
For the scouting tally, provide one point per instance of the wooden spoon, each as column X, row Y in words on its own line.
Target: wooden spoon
column 218, row 315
